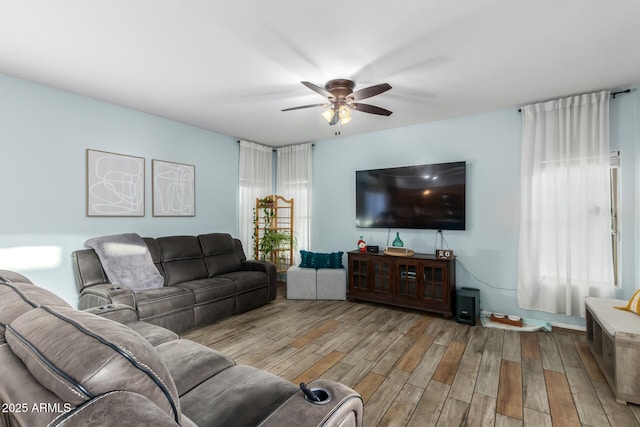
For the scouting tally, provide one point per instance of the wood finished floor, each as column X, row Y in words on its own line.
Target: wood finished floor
column 416, row 369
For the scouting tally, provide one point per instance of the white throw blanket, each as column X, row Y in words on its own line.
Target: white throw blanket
column 126, row 260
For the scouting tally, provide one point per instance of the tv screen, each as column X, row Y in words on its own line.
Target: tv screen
column 424, row 196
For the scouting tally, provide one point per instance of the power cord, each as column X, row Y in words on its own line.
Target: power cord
column 446, row 246
column 482, row 281
column 442, row 241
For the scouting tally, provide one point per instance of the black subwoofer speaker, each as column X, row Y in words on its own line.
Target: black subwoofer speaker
column 467, row 305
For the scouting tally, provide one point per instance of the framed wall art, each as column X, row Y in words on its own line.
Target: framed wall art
column 173, row 189
column 115, row 184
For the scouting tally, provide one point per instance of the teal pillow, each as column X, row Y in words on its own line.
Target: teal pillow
column 321, row 260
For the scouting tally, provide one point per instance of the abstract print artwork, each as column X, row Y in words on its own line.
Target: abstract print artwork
column 173, row 189
column 115, row 184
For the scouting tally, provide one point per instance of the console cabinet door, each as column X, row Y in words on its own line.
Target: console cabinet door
column 435, row 284
column 408, row 279
column 359, row 274
column 381, row 275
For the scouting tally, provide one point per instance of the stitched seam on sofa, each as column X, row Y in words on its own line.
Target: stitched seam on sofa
column 21, row 295
column 49, row 367
column 152, row 301
column 336, row 407
column 167, row 313
column 278, row 408
column 128, row 356
column 209, row 301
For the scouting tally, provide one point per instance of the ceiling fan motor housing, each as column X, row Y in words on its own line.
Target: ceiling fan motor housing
column 340, row 88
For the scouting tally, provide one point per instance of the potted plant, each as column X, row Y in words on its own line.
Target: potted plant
column 268, row 238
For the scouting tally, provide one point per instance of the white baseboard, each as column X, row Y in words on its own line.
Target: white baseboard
column 566, row 326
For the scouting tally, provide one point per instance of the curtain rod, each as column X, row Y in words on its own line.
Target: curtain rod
column 613, row 95
column 313, row 144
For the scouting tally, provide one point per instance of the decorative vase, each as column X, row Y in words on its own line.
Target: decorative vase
column 398, row 243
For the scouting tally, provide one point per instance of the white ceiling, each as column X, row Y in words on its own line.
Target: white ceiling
column 232, row 66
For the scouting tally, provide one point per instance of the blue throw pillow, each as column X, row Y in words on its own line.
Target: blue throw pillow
column 320, row 260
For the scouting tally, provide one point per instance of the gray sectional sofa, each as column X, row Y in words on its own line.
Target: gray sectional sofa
column 206, row 278
column 102, row 367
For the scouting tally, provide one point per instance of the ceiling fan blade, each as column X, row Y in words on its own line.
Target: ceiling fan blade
column 318, row 89
column 370, row 91
column 306, row 106
column 366, row 108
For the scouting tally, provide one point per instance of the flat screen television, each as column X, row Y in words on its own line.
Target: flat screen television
column 424, row 197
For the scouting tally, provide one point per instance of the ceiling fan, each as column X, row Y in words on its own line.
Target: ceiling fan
column 342, row 99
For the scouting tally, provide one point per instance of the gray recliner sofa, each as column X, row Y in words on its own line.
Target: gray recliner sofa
column 206, row 278
column 66, row 367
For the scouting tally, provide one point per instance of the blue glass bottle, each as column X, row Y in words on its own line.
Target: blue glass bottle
column 398, row 243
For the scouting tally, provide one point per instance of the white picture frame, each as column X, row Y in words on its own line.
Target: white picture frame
column 173, row 188
column 115, row 184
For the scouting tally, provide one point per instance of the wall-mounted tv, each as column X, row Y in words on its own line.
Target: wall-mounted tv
column 424, row 197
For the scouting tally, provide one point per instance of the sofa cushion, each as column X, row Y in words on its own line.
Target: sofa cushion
column 612, row 320
column 164, row 300
column 18, row 386
column 155, row 334
column 19, row 298
column 190, row 363
column 210, row 289
column 181, row 259
column 154, row 251
column 8, row 276
column 246, row 281
column 220, row 253
column 79, row 356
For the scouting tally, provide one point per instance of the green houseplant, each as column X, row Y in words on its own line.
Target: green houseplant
column 269, row 240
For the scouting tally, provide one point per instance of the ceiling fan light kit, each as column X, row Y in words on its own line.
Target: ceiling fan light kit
column 342, row 99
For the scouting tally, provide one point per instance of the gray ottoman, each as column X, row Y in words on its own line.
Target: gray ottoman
column 331, row 283
column 301, row 283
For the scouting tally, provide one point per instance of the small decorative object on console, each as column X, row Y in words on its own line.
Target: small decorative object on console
column 362, row 245
column 444, row 254
column 398, row 242
column 395, row 251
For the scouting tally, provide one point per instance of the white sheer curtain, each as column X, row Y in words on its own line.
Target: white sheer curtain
column 256, row 181
column 565, row 220
column 294, row 180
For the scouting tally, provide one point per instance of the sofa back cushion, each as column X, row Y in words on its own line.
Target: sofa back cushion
column 78, row 356
column 154, row 250
column 220, row 253
column 181, row 259
column 17, row 298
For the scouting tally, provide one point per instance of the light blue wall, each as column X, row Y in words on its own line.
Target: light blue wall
column 44, row 134
column 490, row 144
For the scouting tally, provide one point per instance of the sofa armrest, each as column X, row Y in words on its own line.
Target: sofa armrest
column 344, row 409
column 122, row 408
column 87, row 269
column 105, row 294
column 269, row 269
column 121, row 313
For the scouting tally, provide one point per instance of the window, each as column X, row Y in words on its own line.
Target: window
column 615, row 210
